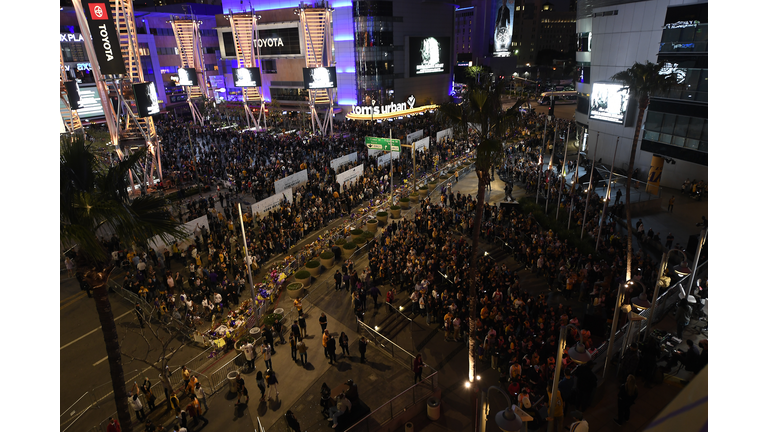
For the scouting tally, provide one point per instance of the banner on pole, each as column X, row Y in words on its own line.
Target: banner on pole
column 291, row 181
column 654, row 175
column 106, row 42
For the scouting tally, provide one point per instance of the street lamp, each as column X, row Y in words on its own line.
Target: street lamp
column 507, row 420
column 578, row 354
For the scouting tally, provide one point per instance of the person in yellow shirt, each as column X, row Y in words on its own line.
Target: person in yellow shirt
column 484, row 313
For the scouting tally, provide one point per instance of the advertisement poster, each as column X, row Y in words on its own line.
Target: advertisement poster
column 350, row 175
column 411, row 137
column 291, row 181
column 422, row 144
column 502, row 27
column 270, row 203
column 336, row 163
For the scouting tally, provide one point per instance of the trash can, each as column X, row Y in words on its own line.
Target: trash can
column 232, row 376
column 409, row 427
column 433, row 408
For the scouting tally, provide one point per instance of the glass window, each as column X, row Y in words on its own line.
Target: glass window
column 665, row 138
column 701, row 33
column 670, row 35
column 678, row 141
column 703, row 146
column 681, row 126
column 653, row 121
column 687, row 33
column 703, row 85
column 668, row 124
column 651, row 136
column 692, row 143
column 704, row 128
column 695, row 128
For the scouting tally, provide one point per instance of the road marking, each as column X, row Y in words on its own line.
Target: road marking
column 91, row 332
column 101, row 360
column 73, row 296
column 73, row 301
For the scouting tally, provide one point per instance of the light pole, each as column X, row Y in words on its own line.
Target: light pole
column 562, row 173
column 619, row 302
column 549, row 175
column 607, row 196
column 702, row 240
column 578, row 354
column 681, row 269
column 589, row 186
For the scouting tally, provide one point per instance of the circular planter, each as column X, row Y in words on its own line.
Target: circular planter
column 395, row 210
column 423, row 191
column 295, row 290
column 303, row 277
column 326, row 259
column 242, row 341
column 372, row 225
column 405, row 203
column 313, row 267
column 357, row 232
column 348, row 250
column 360, row 240
column 340, row 242
column 432, row 185
column 382, row 217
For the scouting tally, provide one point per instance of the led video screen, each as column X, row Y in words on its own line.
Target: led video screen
column 608, row 102
column 187, row 77
column 147, row 103
column 247, row 77
column 319, row 78
column 73, row 94
column 429, row 55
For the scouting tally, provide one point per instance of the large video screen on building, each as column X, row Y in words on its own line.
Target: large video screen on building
column 89, row 105
column 319, row 78
column 276, row 42
column 247, row 77
column 187, row 77
column 73, row 94
column 429, row 55
column 503, row 13
column 608, row 102
column 147, row 103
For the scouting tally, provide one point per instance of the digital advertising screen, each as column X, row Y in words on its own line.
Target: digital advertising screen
column 89, row 104
column 247, row 77
column 503, row 13
column 187, row 77
column 146, row 99
column 278, row 41
column 319, row 78
column 73, row 94
column 429, row 55
column 608, row 102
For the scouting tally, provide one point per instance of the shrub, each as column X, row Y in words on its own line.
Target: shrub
column 301, row 274
column 367, row 235
column 382, row 213
column 372, row 221
column 350, row 246
column 360, row 240
column 423, row 187
column 294, row 286
column 271, row 319
column 327, row 254
column 340, row 242
column 394, row 207
column 356, row 231
column 313, row 264
column 405, row 200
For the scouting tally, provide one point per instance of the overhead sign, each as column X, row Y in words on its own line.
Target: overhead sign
column 105, row 40
column 384, row 144
column 608, row 102
column 291, row 181
column 319, row 78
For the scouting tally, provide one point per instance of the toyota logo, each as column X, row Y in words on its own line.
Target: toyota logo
column 98, row 11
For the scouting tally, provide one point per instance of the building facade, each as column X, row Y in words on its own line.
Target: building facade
column 612, row 35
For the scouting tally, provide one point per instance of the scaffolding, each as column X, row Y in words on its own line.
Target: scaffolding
column 244, row 28
column 190, row 45
column 69, row 116
column 126, row 129
column 316, row 26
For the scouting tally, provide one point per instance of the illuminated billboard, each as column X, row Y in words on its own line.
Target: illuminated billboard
column 147, row 103
column 429, row 55
column 187, row 77
column 319, row 78
column 503, row 11
column 247, row 77
column 89, row 103
column 608, row 102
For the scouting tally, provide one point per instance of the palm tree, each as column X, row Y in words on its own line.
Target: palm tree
column 642, row 80
column 480, row 109
column 95, row 199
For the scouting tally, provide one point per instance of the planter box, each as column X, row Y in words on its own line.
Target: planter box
column 295, row 293
column 395, row 213
column 382, row 219
column 327, row 263
column 346, row 253
column 404, row 205
column 313, row 271
column 306, row 282
column 355, row 233
column 373, row 226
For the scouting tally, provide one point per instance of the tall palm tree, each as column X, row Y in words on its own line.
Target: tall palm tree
column 481, row 110
column 94, row 199
column 642, row 80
